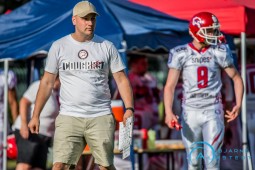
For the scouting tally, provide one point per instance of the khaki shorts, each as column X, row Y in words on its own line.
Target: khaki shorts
column 72, row 134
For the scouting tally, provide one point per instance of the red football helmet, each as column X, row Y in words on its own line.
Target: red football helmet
column 205, row 27
column 12, row 151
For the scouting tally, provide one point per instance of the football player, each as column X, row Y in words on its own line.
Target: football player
column 200, row 62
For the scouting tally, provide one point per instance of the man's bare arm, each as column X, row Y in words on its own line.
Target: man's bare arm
column 23, row 111
column 12, row 98
column 239, row 90
column 172, row 79
column 125, row 90
column 44, row 92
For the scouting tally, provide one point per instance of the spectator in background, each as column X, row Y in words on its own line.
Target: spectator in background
column 7, row 6
column 32, row 148
column 12, row 99
column 146, row 93
column 234, row 128
column 250, row 101
column 12, row 95
column 146, row 100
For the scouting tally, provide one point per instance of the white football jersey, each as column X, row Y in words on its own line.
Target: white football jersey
column 201, row 73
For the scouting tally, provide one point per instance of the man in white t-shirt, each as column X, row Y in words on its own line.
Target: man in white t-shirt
column 83, row 61
column 29, row 156
column 12, row 99
column 200, row 63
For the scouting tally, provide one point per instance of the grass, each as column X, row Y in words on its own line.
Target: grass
column 11, row 164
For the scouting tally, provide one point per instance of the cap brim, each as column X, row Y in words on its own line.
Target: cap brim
column 87, row 13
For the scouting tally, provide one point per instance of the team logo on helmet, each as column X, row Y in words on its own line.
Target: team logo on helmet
column 214, row 18
column 197, row 21
column 83, row 54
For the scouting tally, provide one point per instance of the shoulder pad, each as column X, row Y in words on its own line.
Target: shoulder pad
column 221, row 47
column 181, row 49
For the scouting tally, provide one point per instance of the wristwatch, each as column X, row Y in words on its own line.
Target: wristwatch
column 130, row 108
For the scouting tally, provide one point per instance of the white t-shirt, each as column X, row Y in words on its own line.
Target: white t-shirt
column 201, row 73
column 83, row 69
column 48, row 114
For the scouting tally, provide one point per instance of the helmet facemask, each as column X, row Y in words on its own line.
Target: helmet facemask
column 210, row 34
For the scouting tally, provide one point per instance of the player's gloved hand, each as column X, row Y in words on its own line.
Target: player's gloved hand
column 172, row 121
column 176, row 125
column 169, row 118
